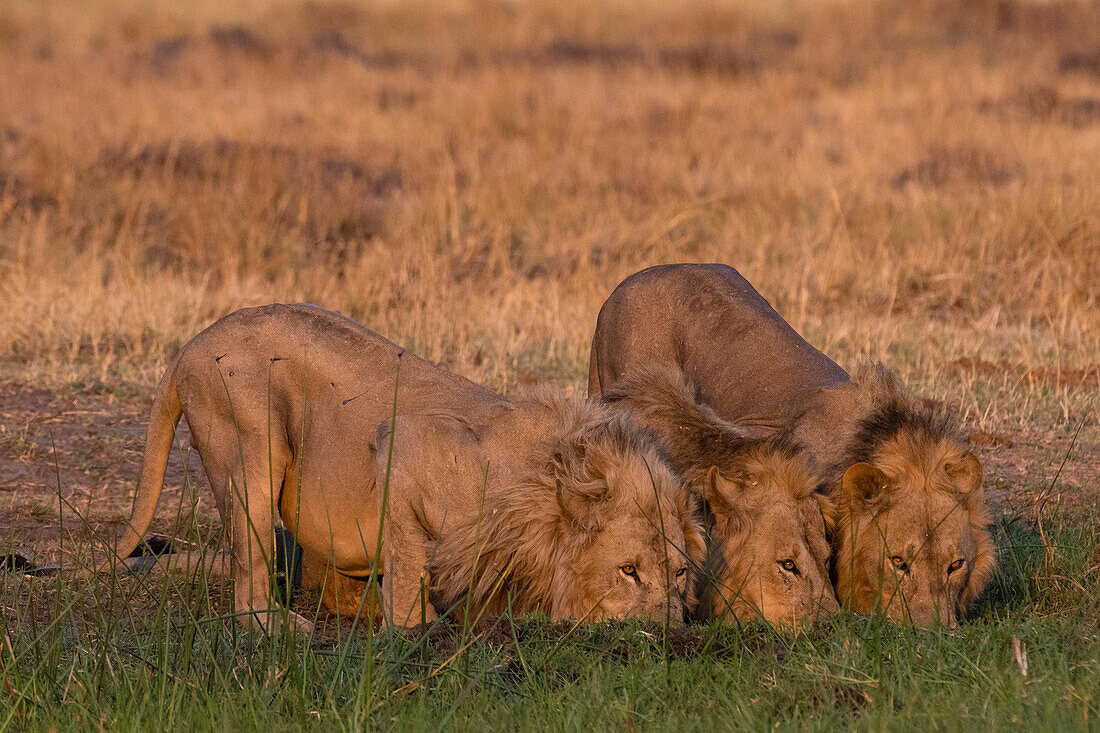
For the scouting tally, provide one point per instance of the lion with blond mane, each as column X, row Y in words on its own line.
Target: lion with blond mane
column 767, row 554
column 911, row 537
column 588, row 522
column 290, row 408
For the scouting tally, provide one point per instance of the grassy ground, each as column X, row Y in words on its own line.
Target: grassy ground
column 906, row 181
column 153, row 652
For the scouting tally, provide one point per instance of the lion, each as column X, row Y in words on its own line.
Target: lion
column 767, row 554
column 911, row 538
column 283, row 403
column 588, row 522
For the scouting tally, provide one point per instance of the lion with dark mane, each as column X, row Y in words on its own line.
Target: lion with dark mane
column 911, row 538
column 767, row 554
column 283, row 403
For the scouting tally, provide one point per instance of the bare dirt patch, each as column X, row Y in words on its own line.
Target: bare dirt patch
column 77, row 454
column 1087, row 376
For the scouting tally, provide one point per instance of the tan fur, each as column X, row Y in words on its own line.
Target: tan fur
column 916, row 496
column 592, row 494
column 343, row 596
column 282, row 403
column 754, row 370
column 760, row 499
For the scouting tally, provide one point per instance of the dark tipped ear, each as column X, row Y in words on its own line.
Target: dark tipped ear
column 863, row 484
column 721, row 496
column 580, row 487
column 967, row 474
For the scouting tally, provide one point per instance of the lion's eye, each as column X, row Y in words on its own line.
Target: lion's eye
column 899, row 563
column 629, row 570
column 955, row 565
column 681, row 572
column 790, row 566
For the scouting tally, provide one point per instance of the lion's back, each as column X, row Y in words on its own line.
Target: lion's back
column 290, row 357
column 748, row 363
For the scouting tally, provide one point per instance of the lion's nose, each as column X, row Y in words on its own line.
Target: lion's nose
column 827, row 602
column 945, row 614
column 672, row 612
column 931, row 610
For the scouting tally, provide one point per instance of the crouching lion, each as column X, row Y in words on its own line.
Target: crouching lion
column 283, row 403
column 585, row 522
column 911, row 537
column 767, row 554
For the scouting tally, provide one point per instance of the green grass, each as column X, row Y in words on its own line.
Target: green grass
column 157, row 652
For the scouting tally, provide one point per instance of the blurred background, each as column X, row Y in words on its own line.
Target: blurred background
column 912, row 181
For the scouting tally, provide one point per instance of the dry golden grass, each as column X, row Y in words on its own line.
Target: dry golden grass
column 917, row 182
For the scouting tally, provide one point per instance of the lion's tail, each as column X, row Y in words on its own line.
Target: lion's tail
column 663, row 399
column 163, row 417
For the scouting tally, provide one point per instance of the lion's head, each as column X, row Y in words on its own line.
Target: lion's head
column 911, row 537
column 767, row 554
column 597, row 528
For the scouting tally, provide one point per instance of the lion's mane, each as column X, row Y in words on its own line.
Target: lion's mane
column 522, row 551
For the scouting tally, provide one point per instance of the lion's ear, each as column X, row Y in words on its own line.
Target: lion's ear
column 722, row 497
column 580, row 487
column 580, row 502
column 863, row 485
column 966, row 473
column 712, row 491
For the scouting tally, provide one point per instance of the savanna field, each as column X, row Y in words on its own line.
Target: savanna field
column 913, row 182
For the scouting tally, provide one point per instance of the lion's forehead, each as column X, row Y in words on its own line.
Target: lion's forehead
column 932, row 527
column 657, row 502
column 787, row 531
column 781, row 521
column 765, row 501
column 915, row 464
column 638, row 480
column 643, row 531
column 794, row 519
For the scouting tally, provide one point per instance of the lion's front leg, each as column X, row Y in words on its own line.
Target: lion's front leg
column 435, row 474
column 406, row 582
